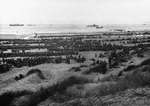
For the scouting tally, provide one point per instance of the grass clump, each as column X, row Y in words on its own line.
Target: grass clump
column 98, row 68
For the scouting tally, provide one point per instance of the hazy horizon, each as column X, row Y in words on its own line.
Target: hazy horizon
column 74, row 11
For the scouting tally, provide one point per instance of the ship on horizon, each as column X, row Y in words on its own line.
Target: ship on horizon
column 16, row 24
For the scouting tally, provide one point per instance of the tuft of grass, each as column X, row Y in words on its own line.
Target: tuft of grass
column 98, row 68
column 75, row 69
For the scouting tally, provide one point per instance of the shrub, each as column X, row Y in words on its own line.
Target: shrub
column 5, row 67
column 75, row 69
column 99, row 68
column 19, row 77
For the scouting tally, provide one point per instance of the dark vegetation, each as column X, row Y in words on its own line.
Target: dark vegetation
column 19, row 77
column 75, row 45
column 97, row 68
column 5, row 67
column 10, row 63
column 75, row 69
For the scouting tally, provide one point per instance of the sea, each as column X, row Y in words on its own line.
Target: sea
column 12, row 32
column 7, row 31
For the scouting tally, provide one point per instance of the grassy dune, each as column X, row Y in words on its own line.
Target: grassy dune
column 67, row 85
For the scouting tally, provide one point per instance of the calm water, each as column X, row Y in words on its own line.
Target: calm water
column 7, row 31
column 44, row 29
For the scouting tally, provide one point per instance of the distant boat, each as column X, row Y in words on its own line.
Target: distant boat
column 16, row 24
column 99, row 27
column 95, row 26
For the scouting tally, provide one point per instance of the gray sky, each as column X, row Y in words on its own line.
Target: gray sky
column 75, row 11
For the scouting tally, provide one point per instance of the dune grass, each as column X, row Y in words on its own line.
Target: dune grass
column 133, row 80
column 33, row 98
column 138, row 78
column 57, row 91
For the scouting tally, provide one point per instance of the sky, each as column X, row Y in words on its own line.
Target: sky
column 74, row 11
